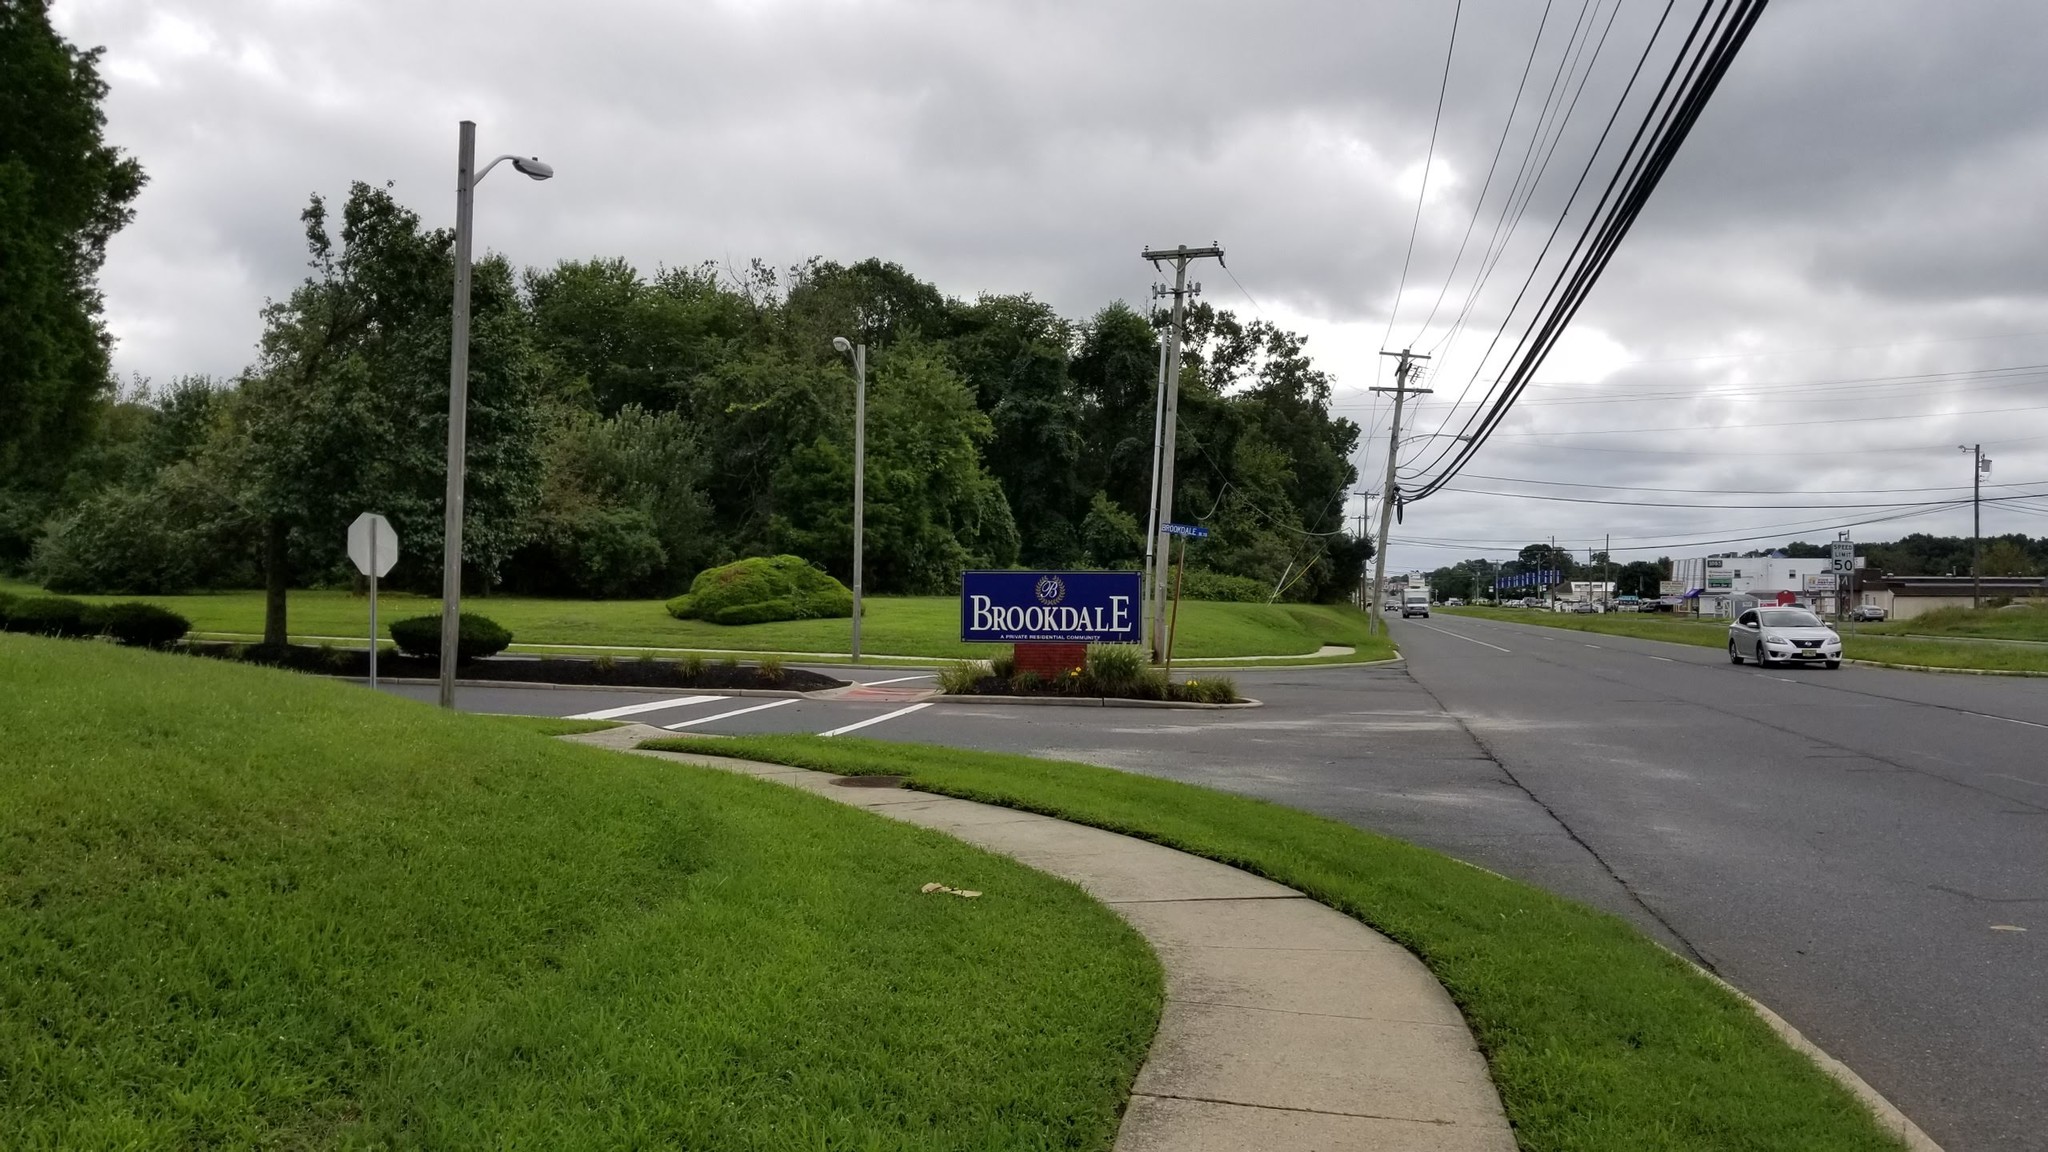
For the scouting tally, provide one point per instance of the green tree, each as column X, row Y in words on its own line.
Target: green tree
column 2006, row 557
column 64, row 192
column 347, row 407
column 1013, row 350
column 1116, row 370
column 622, row 509
column 932, row 510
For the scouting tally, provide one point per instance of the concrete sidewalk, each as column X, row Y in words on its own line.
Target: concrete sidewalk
column 1287, row 1025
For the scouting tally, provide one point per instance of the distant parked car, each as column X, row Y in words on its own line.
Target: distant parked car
column 1867, row 612
column 1585, row 608
column 1454, row 602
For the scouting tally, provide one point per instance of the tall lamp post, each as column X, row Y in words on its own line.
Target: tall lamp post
column 859, row 352
column 466, row 178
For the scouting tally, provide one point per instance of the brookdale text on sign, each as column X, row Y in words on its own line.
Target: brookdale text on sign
column 1050, row 607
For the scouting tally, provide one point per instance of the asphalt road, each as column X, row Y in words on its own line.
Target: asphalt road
column 1851, row 847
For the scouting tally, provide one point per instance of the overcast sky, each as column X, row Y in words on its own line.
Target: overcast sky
column 1848, row 252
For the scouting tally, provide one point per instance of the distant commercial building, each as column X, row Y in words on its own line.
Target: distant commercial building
column 1719, row 580
column 1904, row 597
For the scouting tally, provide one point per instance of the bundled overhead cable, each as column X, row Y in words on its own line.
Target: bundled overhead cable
column 1696, row 71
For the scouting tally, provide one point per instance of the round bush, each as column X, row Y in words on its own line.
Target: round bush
column 50, row 616
column 141, row 625
column 7, row 600
column 480, row 636
column 761, row 589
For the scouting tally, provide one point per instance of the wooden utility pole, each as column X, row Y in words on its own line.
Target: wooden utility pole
column 1389, row 493
column 1169, row 413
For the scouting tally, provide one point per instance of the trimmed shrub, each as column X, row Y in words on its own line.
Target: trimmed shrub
column 51, row 616
column 763, row 612
column 479, row 636
column 1200, row 585
column 140, row 625
column 761, row 589
column 7, row 599
column 1114, row 669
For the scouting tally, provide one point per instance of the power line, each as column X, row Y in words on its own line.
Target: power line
column 1605, row 228
column 1514, row 107
column 1775, row 423
column 1567, row 65
column 1740, row 491
column 1428, row 160
column 1730, row 507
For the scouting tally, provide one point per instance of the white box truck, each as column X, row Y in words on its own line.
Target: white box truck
column 1415, row 602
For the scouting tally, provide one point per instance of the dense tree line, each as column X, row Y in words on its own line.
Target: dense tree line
column 628, row 429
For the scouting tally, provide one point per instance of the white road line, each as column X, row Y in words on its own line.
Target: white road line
column 1462, row 636
column 636, row 709
column 898, row 680
column 1666, row 659
column 2007, row 719
column 724, row 715
column 878, row 719
column 1592, row 646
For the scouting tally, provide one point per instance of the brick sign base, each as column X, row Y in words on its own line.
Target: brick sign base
column 1050, row 661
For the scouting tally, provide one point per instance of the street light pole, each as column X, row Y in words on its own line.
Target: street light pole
column 458, row 417
column 860, row 469
column 466, row 178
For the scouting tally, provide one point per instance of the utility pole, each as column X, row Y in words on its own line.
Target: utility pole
column 1976, row 523
column 1607, row 575
column 1169, row 414
column 1403, row 371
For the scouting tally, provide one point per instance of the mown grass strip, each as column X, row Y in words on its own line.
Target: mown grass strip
column 923, row 626
column 1712, row 632
column 241, row 908
column 553, row 725
column 1599, row 1040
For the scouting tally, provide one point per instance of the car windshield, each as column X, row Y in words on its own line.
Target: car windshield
column 1790, row 618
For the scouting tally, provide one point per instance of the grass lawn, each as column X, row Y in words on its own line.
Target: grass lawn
column 1712, row 632
column 922, row 626
column 241, row 908
column 1599, row 1040
column 2030, row 623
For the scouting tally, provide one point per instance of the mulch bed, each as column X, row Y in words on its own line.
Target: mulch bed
column 595, row 671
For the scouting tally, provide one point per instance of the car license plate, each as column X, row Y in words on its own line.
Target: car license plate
column 1809, row 655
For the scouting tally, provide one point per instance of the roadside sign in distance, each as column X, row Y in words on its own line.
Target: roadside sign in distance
column 1195, row 531
column 371, row 529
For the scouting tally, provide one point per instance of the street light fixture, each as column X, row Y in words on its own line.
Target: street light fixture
column 859, row 352
column 466, row 177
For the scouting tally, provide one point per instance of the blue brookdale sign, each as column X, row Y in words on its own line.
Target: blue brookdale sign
column 1050, row 607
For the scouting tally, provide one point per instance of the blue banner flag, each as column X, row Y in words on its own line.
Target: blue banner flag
column 1050, row 607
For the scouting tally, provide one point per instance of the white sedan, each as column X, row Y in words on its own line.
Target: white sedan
column 1783, row 635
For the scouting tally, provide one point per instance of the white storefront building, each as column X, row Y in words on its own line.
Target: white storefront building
column 1721, row 579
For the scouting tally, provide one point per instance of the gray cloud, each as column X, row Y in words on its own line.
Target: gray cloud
column 1859, row 201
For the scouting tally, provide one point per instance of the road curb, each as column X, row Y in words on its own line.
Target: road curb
column 1887, row 1113
column 1950, row 671
column 1089, row 702
column 788, row 693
